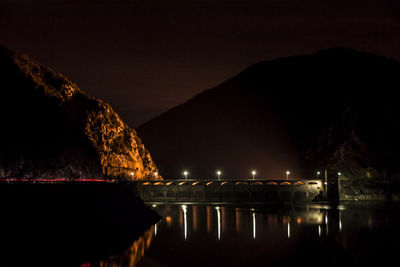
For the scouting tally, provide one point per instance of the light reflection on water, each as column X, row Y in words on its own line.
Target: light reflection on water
column 231, row 220
column 219, row 235
column 131, row 256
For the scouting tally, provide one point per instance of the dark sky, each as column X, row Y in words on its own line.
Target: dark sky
column 144, row 57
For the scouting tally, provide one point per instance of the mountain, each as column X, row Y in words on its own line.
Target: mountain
column 50, row 128
column 336, row 108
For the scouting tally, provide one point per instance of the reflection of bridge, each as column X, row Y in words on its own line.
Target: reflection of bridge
column 231, row 190
column 227, row 220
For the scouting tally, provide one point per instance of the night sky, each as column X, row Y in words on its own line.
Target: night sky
column 144, row 57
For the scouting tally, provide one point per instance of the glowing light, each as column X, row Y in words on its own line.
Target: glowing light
column 218, row 222
column 56, row 180
column 132, row 173
column 184, row 209
column 319, row 230
column 288, row 229
column 287, row 174
column 168, row 219
column 253, row 172
column 219, row 174
column 81, row 180
column 339, row 173
column 254, row 225
column 155, row 174
column 185, row 173
column 155, row 230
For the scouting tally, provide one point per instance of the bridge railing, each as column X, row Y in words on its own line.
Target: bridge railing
column 194, row 182
column 247, row 190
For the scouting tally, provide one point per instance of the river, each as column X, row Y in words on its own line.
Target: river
column 240, row 235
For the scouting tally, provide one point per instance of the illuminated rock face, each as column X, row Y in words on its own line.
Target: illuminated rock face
column 51, row 128
column 121, row 150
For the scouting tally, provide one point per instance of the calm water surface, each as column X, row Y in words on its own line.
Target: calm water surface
column 232, row 235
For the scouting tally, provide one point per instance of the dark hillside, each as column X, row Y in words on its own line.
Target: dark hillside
column 336, row 108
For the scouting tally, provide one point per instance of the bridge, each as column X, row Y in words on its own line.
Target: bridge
column 244, row 190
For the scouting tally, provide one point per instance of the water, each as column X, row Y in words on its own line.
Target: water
column 230, row 235
column 103, row 226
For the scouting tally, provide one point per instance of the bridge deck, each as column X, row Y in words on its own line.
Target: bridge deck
column 244, row 190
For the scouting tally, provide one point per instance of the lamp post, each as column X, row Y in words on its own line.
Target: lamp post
column 219, row 174
column 185, row 173
column 287, row 174
column 318, row 173
column 155, row 174
column 253, row 172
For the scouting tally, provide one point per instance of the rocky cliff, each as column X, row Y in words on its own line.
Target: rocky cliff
column 336, row 108
column 50, row 128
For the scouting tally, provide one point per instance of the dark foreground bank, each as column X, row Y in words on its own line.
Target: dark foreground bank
column 68, row 224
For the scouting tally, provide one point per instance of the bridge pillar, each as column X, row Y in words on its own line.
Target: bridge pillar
column 331, row 186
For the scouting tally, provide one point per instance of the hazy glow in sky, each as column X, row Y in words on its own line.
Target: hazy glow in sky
column 144, row 57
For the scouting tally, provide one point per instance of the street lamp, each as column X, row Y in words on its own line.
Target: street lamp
column 339, row 173
column 219, row 174
column 185, row 173
column 155, row 174
column 253, row 172
column 287, row 174
column 318, row 173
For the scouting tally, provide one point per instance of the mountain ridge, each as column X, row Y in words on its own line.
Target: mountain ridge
column 327, row 86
